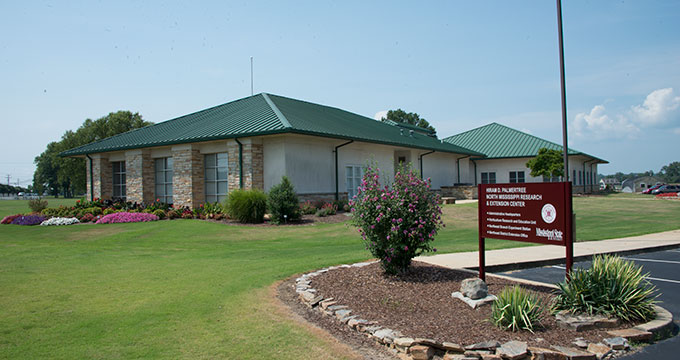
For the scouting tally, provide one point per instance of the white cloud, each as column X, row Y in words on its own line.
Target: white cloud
column 660, row 109
column 380, row 114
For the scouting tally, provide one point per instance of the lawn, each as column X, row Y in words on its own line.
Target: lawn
column 197, row 289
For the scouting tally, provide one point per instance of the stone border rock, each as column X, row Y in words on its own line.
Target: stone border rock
column 424, row 349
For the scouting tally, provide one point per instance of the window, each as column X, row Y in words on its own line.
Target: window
column 164, row 180
column 573, row 178
column 488, row 178
column 216, row 177
column 119, row 188
column 580, row 177
column 516, row 177
column 353, row 173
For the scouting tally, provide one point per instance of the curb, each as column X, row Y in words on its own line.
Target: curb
column 557, row 261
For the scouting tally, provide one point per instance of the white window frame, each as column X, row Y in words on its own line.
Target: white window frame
column 218, row 178
column 352, row 182
column 163, row 187
column 489, row 175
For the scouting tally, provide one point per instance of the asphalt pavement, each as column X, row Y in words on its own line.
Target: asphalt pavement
column 664, row 272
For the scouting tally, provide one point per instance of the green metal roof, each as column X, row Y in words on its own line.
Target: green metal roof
column 498, row 141
column 264, row 114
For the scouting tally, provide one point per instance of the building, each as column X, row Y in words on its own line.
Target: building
column 250, row 144
column 640, row 184
column 507, row 151
column 611, row 183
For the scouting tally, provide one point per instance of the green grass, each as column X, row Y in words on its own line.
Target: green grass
column 11, row 207
column 197, row 289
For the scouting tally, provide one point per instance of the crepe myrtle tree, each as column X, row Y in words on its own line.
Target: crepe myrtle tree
column 397, row 222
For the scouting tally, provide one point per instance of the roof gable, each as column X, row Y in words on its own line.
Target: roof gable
column 264, row 114
column 499, row 141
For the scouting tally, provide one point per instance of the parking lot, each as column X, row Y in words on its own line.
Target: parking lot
column 664, row 272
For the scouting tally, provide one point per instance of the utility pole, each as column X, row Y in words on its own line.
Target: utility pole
column 8, row 176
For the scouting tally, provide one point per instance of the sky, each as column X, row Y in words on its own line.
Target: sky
column 459, row 64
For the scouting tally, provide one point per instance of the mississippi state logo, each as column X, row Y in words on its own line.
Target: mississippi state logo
column 548, row 213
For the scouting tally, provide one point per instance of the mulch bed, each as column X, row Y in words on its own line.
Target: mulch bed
column 419, row 304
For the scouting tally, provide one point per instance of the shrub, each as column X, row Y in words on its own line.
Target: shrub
column 28, row 220
column 612, row 286
column 57, row 221
column 187, row 215
column 37, row 205
column 212, row 210
column 172, row 214
column 326, row 210
column 87, row 218
column 92, row 210
column 341, row 204
column 283, row 203
column 160, row 213
column 61, row 211
column 397, row 223
column 307, row 208
column 246, row 206
column 9, row 218
column 126, row 217
column 109, row 211
column 516, row 309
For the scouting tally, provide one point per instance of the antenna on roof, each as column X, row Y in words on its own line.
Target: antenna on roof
column 251, row 76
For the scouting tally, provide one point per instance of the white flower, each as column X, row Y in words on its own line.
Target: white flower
column 59, row 221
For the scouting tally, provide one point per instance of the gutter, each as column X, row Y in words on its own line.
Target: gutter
column 458, row 168
column 337, row 193
column 240, row 163
column 420, row 157
column 91, row 179
column 474, row 161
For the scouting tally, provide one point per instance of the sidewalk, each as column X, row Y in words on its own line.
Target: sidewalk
column 542, row 255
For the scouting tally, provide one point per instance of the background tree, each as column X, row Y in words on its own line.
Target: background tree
column 548, row 163
column 671, row 172
column 402, row 116
column 68, row 175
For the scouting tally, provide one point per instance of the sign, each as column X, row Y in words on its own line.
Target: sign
column 530, row 212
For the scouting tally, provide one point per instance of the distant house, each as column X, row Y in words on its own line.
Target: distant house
column 640, row 184
column 612, row 183
column 251, row 143
column 507, row 151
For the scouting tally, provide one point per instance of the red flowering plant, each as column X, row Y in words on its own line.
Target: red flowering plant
column 397, row 222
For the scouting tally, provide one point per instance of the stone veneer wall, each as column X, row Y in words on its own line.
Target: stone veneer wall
column 320, row 198
column 139, row 169
column 102, row 170
column 188, row 188
column 460, row 192
column 253, row 166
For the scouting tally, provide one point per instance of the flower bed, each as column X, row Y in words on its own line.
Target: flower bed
column 9, row 218
column 126, row 217
column 57, row 221
column 28, row 220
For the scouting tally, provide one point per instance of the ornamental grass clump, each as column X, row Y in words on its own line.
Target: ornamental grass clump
column 612, row 286
column 397, row 222
column 58, row 221
column 37, row 205
column 516, row 309
column 126, row 217
column 246, row 206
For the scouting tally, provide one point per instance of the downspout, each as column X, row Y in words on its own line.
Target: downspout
column 91, row 179
column 337, row 193
column 420, row 158
column 474, row 162
column 240, row 163
column 458, row 167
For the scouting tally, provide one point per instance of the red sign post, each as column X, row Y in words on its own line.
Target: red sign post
column 530, row 212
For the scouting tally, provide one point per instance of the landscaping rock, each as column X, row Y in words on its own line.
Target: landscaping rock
column 386, row 336
column 580, row 342
column 458, row 357
column 307, row 296
column 477, row 353
column 421, row 352
column 484, row 345
column 582, row 322
column 512, row 350
column 403, row 343
column 632, row 334
column 314, row 302
column 474, row 303
column 342, row 313
column 428, row 342
column 492, row 357
column 545, row 354
column 574, row 353
column 617, row 343
column 326, row 303
column 346, row 319
column 600, row 350
column 336, row 307
column 474, row 288
column 354, row 323
column 452, row 347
